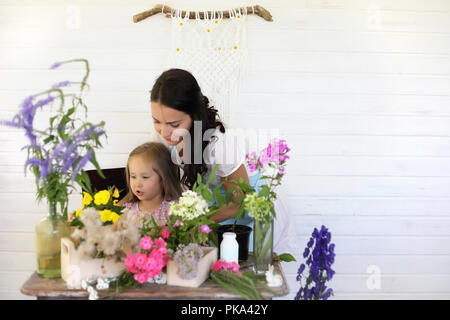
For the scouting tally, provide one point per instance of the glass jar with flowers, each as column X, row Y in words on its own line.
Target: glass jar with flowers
column 270, row 163
column 56, row 155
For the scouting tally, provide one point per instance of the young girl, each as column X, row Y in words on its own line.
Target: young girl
column 153, row 182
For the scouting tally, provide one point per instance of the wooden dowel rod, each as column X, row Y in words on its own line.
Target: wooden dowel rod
column 257, row 10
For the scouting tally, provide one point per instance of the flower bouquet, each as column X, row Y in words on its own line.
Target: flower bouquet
column 102, row 239
column 56, row 155
column 270, row 163
column 188, row 233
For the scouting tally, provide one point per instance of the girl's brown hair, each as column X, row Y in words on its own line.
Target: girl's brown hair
column 159, row 156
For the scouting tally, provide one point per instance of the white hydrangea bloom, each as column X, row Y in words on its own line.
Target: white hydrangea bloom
column 190, row 206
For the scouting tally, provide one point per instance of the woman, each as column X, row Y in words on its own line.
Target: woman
column 183, row 118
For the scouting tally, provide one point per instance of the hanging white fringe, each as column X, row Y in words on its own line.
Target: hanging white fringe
column 215, row 51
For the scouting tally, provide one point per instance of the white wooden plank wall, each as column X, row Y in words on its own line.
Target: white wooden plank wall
column 359, row 88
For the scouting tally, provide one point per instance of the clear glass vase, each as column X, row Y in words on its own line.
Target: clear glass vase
column 49, row 232
column 263, row 244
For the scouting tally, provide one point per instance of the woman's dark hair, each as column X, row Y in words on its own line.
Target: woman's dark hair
column 178, row 89
column 158, row 156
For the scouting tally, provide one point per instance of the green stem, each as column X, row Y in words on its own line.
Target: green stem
column 238, row 283
column 262, row 244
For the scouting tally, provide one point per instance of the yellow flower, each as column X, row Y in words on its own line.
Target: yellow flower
column 106, row 215
column 78, row 213
column 116, row 193
column 115, row 217
column 87, row 199
column 101, row 197
column 115, row 202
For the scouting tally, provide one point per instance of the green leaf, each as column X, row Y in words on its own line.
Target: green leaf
column 77, row 223
column 265, row 191
column 239, row 214
column 212, row 175
column 206, row 194
column 286, row 257
column 95, row 163
column 48, row 139
column 229, row 195
column 219, row 198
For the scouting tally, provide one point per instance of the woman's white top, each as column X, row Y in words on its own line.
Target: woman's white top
column 224, row 149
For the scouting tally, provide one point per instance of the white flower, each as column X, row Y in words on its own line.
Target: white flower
column 159, row 279
column 271, row 170
column 190, row 206
column 102, row 284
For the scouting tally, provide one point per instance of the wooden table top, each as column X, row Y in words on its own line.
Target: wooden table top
column 44, row 288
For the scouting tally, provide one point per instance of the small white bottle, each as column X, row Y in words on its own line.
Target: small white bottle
column 229, row 248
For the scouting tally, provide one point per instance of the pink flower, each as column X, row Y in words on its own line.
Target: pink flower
column 264, row 159
column 219, row 265
column 139, row 260
column 159, row 243
column 149, row 265
column 140, row 277
column 205, row 228
column 165, row 234
column 163, row 250
column 152, row 274
column 129, row 263
column 234, row 267
column 146, row 243
column 155, row 255
column 223, row 265
column 177, row 223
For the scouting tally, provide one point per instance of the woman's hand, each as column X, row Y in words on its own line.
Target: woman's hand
column 230, row 209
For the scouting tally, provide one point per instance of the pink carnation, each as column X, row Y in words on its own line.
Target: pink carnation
column 159, row 243
column 140, row 277
column 139, row 260
column 146, row 243
column 129, row 263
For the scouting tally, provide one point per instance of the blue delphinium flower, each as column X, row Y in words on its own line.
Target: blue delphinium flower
column 319, row 261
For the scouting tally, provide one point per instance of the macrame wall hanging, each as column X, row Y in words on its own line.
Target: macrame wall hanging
column 212, row 45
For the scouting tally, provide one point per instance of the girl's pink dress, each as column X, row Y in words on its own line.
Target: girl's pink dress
column 161, row 214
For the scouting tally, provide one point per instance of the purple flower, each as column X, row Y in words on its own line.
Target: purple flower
column 306, row 252
column 187, row 259
column 300, row 271
column 32, row 162
column 61, row 84
column 55, row 65
column 87, row 133
column 320, row 256
column 68, row 163
column 45, row 168
column 81, row 164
